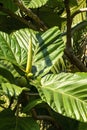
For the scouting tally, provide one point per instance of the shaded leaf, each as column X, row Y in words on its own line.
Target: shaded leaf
column 32, row 104
column 82, row 126
column 2, row 102
column 10, row 24
column 9, row 4
column 10, row 122
column 7, row 74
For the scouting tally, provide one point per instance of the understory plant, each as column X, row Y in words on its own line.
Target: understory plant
column 35, row 86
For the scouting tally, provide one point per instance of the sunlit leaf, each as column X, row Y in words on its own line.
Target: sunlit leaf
column 11, row 89
column 14, row 48
column 45, row 55
column 34, row 3
column 66, row 93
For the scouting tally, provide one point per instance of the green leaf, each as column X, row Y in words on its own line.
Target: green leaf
column 14, row 48
column 9, row 24
column 9, row 4
column 10, row 49
column 7, row 74
column 80, row 16
column 48, row 51
column 34, row 3
column 9, row 122
column 66, row 93
column 82, row 126
column 11, row 89
column 10, row 67
column 32, row 104
column 59, row 66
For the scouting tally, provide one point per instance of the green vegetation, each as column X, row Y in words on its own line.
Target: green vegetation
column 43, row 66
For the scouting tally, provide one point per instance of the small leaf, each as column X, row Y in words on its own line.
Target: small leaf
column 11, row 89
column 34, row 3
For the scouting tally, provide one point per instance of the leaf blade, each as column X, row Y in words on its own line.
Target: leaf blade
column 34, row 4
column 66, row 94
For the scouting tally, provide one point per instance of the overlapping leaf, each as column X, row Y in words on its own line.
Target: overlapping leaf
column 66, row 93
column 14, row 48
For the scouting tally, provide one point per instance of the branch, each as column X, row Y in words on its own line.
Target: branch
column 10, row 13
column 74, row 60
column 77, row 12
column 30, row 14
column 68, row 43
column 45, row 117
column 69, row 51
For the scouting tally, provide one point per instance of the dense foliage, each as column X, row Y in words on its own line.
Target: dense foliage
column 43, row 74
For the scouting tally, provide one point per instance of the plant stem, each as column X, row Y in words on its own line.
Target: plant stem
column 68, row 43
column 29, row 57
column 31, row 14
column 46, row 117
column 69, row 50
column 75, row 61
column 10, row 13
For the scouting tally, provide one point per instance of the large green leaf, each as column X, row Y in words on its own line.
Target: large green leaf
column 48, row 51
column 47, row 48
column 34, row 3
column 66, row 93
column 9, row 122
